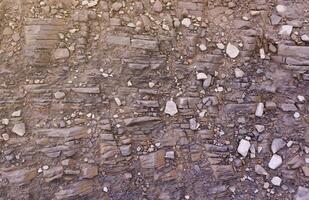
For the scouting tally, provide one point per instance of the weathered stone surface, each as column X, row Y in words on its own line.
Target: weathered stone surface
column 76, row 190
column 74, row 132
column 61, row 53
column 89, row 171
column 20, row 176
column 53, row 173
column 302, row 193
column 139, row 120
column 153, row 160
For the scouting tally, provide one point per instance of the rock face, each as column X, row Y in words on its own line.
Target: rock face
column 154, row 99
column 153, row 160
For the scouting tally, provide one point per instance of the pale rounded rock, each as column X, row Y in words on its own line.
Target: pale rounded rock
column 239, row 73
column 186, row 22
column 276, row 181
column 232, row 51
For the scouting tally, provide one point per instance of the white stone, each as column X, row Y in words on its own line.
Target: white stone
column 305, row 38
column 105, row 189
column 16, row 113
column 220, row 46
column 59, row 95
column 170, row 154
column 301, row 98
column 201, row 76
column 259, row 128
column 296, row 115
column 275, row 161
column 259, row 110
column 203, row 47
column 5, row 121
column 277, row 144
column 239, row 73
column 281, row 9
column 171, row 108
column 262, row 54
column 276, row 181
column 286, row 30
column 151, row 84
column 19, row 129
column 243, row 147
column 232, row 51
column 117, row 100
column 186, row 22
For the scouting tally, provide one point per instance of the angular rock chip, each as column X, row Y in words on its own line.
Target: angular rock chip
column 275, row 161
column 243, row 147
column 259, row 110
column 171, row 108
column 260, row 170
column 19, row 129
column 277, row 144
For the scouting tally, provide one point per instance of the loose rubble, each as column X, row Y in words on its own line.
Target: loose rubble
column 154, row 99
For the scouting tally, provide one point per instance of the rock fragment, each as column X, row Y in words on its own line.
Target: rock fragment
column 158, row 6
column 243, row 147
column 116, row 6
column 171, row 108
column 201, row 76
column 260, row 170
column 59, row 95
column 275, row 161
column 276, row 181
column 186, row 22
column 61, row 53
column 239, row 73
column 259, row 110
column 302, row 193
column 305, row 38
column 277, row 144
column 19, row 129
column 207, row 82
column 286, row 30
column 232, row 51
